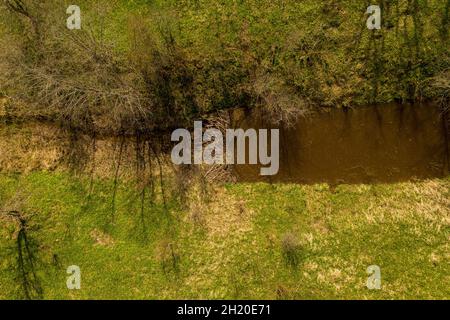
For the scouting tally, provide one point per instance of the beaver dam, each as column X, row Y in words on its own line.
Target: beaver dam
column 376, row 144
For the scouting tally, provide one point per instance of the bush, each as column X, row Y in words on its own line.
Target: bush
column 291, row 249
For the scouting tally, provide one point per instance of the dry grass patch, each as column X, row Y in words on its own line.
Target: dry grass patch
column 101, row 238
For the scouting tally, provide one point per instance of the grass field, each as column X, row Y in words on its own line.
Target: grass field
column 243, row 241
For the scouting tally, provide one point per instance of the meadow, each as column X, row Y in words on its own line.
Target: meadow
column 243, row 241
column 139, row 227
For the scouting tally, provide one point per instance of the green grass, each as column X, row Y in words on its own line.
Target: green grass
column 322, row 51
column 230, row 244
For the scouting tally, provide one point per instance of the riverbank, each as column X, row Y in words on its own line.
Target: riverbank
column 243, row 241
column 171, row 235
column 138, row 66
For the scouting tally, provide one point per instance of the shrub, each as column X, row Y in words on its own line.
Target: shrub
column 291, row 249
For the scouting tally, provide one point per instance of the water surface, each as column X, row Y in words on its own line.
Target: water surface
column 376, row 144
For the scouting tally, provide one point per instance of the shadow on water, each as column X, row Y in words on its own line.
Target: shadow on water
column 382, row 144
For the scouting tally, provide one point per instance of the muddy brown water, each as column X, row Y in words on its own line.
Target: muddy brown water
column 376, row 144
